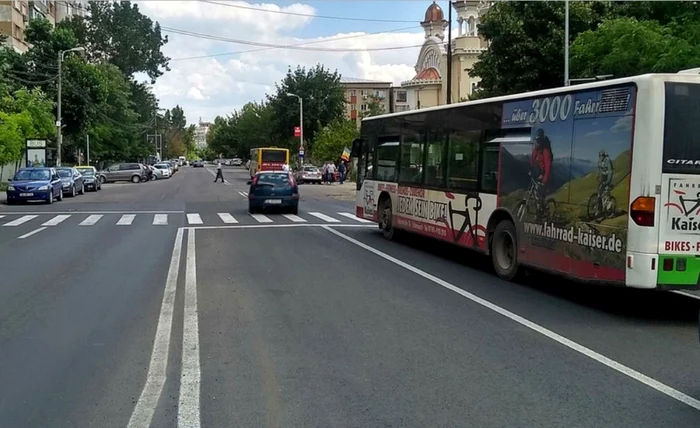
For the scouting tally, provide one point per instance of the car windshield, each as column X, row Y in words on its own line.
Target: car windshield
column 162, row 166
column 64, row 173
column 279, row 180
column 32, row 174
column 87, row 171
column 310, row 169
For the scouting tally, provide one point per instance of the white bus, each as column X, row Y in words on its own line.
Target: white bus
column 599, row 182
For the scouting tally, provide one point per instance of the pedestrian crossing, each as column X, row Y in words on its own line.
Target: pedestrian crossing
column 49, row 220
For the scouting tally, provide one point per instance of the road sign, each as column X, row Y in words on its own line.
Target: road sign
column 297, row 131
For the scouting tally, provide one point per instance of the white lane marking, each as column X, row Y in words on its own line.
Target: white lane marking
column 126, row 220
column 56, row 220
column 227, row 218
column 294, row 218
column 243, row 194
column 354, row 217
column 33, row 232
column 21, row 220
column 261, row 218
column 325, row 218
column 277, row 226
column 642, row 378
column 194, row 218
column 160, row 219
column 683, row 293
column 92, row 212
column 91, row 220
column 1, row 216
column 189, row 408
column 146, row 406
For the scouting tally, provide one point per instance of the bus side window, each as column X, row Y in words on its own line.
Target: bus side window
column 387, row 158
column 489, row 168
column 412, row 147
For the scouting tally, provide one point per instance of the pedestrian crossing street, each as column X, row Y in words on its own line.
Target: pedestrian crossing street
column 9, row 220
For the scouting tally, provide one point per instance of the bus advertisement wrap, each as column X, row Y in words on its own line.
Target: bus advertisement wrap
column 568, row 186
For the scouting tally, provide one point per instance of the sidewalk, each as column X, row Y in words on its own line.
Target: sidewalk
column 342, row 192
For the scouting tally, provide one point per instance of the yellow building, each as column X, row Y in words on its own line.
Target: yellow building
column 429, row 86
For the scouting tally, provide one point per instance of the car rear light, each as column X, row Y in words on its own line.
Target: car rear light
column 642, row 211
column 255, row 180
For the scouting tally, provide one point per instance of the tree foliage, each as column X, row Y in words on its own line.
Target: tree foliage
column 526, row 42
column 375, row 106
column 332, row 139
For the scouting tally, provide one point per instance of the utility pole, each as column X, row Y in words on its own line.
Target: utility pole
column 448, row 90
column 566, row 42
column 88, row 150
column 301, row 118
column 59, row 130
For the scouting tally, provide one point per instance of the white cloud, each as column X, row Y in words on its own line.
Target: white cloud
column 216, row 85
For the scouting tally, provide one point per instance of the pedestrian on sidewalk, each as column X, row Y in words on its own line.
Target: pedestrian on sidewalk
column 341, row 172
column 219, row 173
column 331, row 172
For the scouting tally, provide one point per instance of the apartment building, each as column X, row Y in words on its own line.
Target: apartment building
column 399, row 100
column 359, row 93
column 200, row 134
column 16, row 14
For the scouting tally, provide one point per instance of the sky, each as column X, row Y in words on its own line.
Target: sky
column 210, row 78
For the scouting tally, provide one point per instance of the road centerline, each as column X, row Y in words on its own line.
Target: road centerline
column 157, row 369
column 619, row 367
column 189, row 406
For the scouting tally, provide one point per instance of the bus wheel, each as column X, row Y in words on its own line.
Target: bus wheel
column 386, row 219
column 504, row 250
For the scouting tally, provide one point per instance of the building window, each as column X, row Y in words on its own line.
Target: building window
column 473, row 88
column 379, row 94
column 363, row 92
column 401, row 96
column 363, row 107
column 352, row 92
column 352, row 107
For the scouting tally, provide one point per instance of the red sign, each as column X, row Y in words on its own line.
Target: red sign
column 297, row 131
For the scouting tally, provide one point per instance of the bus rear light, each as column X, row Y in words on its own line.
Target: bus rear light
column 642, row 211
column 668, row 264
column 680, row 264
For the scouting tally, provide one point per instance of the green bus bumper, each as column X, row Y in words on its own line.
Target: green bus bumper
column 678, row 271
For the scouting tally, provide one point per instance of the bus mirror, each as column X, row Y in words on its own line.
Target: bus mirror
column 356, row 148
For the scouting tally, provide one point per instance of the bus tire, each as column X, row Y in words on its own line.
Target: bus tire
column 504, row 251
column 386, row 218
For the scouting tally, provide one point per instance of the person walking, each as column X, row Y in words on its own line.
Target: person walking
column 331, row 172
column 219, row 173
column 341, row 172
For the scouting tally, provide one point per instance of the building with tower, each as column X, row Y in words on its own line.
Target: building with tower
column 429, row 86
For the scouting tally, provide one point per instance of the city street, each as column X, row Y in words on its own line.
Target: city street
column 166, row 304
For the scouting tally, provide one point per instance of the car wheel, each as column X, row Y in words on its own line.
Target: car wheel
column 82, row 189
column 295, row 210
column 50, row 200
column 251, row 209
column 72, row 191
column 154, row 178
column 103, row 180
column 136, row 179
column 60, row 195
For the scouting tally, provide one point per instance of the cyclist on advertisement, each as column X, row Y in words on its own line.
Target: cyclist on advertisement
column 541, row 163
column 605, row 173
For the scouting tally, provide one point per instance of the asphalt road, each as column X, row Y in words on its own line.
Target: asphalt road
column 166, row 304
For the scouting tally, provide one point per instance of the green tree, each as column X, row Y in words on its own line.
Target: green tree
column 324, row 101
column 626, row 47
column 333, row 138
column 375, row 106
column 119, row 33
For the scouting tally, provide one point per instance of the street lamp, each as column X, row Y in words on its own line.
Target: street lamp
column 566, row 43
column 59, row 138
column 301, row 120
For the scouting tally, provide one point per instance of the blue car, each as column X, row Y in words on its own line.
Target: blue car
column 35, row 184
column 275, row 190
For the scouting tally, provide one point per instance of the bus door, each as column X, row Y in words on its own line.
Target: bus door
column 679, row 228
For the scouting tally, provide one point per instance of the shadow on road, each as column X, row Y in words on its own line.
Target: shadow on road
column 647, row 305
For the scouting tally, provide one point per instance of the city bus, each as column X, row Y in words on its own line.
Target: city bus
column 267, row 159
column 598, row 182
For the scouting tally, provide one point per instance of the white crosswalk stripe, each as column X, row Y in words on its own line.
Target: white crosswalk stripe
column 56, row 220
column 194, row 218
column 352, row 216
column 1, row 216
column 325, row 218
column 21, row 220
column 294, row 218
column 261, row 218
column 160, row 219
column 126, row 220
column 227, row 218
column 91, row 220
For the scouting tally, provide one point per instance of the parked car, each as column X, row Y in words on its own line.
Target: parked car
column 71, row 181
column 163, row 170
column 198, row 164
column 34, row 184
column 273, row 190
column 131, row 171
column 237, row 162
column 90, row 177
column 308, row 174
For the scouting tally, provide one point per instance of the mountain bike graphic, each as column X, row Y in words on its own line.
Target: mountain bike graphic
column 602, row 206
column 532, row 204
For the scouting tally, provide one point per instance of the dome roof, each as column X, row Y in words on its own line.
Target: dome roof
column 434, row 13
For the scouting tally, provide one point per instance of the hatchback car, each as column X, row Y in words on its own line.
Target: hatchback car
column 34, row 184
column 309, row 174
column 90, row 177
column 71, row 181
column 276, row 190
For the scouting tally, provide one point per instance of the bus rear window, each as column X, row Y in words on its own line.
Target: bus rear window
column 682, row 128
column 274, row 156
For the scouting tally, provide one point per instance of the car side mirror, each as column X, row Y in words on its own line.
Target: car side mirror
column 249, row 182
column 9, row 179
